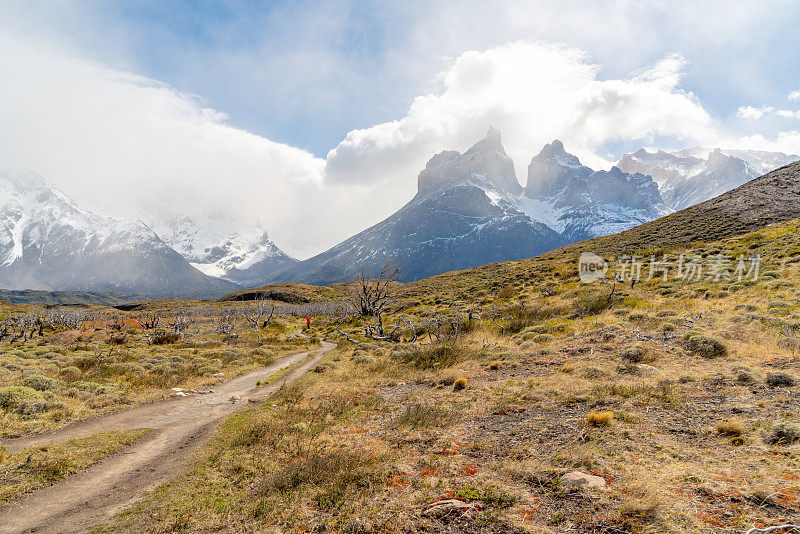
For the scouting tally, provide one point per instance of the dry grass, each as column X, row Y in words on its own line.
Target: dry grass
column 599, row 418
column 731, row 427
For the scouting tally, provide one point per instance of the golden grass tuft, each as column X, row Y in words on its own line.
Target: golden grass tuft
column 599, row 418
column 460, row 383
column 731, row 427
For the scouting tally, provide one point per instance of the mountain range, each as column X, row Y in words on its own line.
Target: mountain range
column 691, row 176
column 470, row 209
column 48, row 243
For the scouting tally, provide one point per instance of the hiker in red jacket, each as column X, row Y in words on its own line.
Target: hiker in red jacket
column 308, row 322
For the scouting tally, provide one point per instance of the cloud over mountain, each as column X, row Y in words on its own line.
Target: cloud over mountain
column 127, row 145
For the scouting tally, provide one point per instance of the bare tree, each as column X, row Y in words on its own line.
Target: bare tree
column 372, row 295
column 257, row 315
column 180, row 320
column 149, row 320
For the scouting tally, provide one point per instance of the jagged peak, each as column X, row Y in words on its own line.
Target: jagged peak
column 486, row 159
column 492, row 141
column 555, row 151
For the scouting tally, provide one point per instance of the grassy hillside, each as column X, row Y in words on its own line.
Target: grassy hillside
column 529, row 401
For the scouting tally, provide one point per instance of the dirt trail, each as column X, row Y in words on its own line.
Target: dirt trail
column 179, row 426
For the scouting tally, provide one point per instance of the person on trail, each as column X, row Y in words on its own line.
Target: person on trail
column 308, row 322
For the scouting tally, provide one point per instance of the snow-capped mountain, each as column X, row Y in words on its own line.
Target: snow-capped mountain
column 465, row 213
column 48, row 242
column 581, row 203
column 688, row 177
column 243, row 254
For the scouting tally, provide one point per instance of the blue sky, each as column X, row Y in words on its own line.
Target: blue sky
column 306, row 73
column 260, row 112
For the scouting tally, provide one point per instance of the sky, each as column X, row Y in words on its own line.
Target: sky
column 313, row 119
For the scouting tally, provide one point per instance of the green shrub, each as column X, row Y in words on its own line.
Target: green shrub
column 433, row 356
column 70, row 373
column 543, row 338
column 22, row 399
column 633, row 354
column 40, row 383
column 705, row 345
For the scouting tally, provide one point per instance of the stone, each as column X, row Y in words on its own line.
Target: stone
column 218, row 375
column 577, row 480
column 449, row 508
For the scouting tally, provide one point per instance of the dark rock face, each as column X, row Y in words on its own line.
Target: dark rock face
column 464, row 215
column 586, row 203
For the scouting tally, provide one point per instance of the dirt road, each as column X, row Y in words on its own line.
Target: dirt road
column 179, row 426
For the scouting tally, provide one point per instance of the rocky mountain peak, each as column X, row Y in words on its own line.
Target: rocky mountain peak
column 485, row 163
column 551, row 168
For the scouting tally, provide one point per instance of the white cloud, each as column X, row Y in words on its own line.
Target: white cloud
column 116, row 141
column 751, row 113
column 794, row 95
column 533, row 93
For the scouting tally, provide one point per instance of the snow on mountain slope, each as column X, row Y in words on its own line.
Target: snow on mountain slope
column 694, row 175
column 581, row 203
column 465, row 214
column 47, row 242
column 237, row 252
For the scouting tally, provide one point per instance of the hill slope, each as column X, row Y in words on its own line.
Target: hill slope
column 772, row 198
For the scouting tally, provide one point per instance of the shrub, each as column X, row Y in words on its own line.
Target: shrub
column 543, row 338
column 433, row 356
column 599, row 418
column 783, row 434
column 743, row 375
column 164, row 338
column 633, row 354
column 522, row 318
column 422, row 416
column 704, row 345
column 460, row 384
column 21, row 399
column 731, row 427
column 494, row 366
column 40, row 383
column 780, row 380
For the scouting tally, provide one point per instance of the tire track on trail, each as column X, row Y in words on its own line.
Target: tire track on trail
column 179, row 427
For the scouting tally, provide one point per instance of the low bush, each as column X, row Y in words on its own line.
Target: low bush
column 164, row 338
column 783, row 434
column 780, row 380
column 22, row 399
column 40, row 383
column 633, row 355
column 705, row 345
column 433, row 356
column 460, row 384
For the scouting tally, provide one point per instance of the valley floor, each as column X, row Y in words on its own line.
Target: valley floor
column 514, row 398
